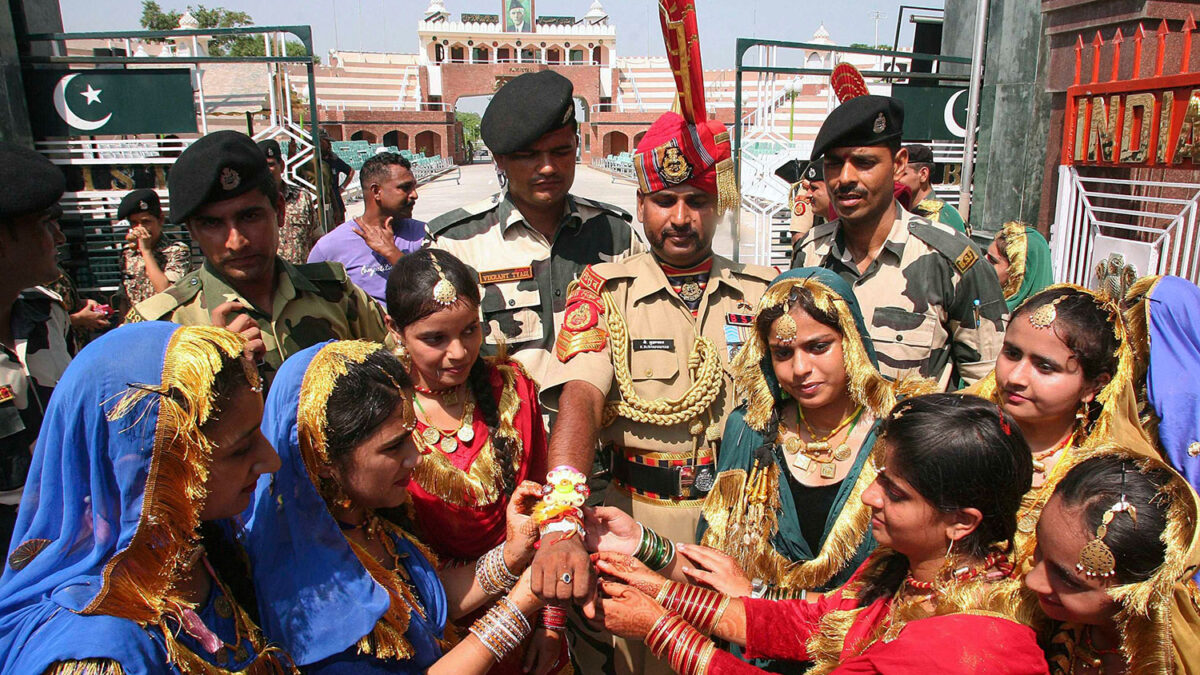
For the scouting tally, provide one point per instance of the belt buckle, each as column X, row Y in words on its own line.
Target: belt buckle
column 687, row 478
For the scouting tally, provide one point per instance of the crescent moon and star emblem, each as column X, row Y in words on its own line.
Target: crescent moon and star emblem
column 91, row 94
column 948, row 116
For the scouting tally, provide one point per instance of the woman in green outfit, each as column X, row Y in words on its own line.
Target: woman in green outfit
column 1021, row 257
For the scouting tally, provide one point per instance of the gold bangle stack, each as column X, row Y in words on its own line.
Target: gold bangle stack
column 492, row 572
column 502, row 629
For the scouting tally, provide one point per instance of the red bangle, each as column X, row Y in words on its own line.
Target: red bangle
column 554, row 617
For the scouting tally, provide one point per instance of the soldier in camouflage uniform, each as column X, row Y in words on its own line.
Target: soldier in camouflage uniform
column 531, row 240
column 222, row 189
column 300, row 229
column 932, row 308
column 151, row 261
column 918, row 177
column 33, row 320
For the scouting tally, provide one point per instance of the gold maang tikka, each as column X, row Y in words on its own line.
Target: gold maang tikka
column 1096, row 560
column 444, row 292
column 1043, row 317
column 785, row 327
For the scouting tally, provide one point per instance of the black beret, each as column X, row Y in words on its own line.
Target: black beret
column 860, row 121
column 919, row 154
column 791, row 172
column 815, row 172
column 139, row 201
column 31, row 182
column 270, row 148
column 219, row 166
column 525, row 109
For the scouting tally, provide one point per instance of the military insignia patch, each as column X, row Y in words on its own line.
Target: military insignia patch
column 880, row 124
column 592, row 282
column 580, row 317
column 738, row 329
column 230, row 179
column 672, row 165
column 569, row 344
column 6, row 393
column 966, row 259
column 500, row 276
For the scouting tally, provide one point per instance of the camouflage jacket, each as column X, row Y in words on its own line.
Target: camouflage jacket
column 312, row 304
column 174, row 258
column 300, row 226
column 932, row 307
column 28, row 375
column 941, row 212
column 525, row 276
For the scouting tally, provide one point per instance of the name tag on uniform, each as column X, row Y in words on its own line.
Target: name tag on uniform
column 653, row 345
column 6, row 393
column 501, row 276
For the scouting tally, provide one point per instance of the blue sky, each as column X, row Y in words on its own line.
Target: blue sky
column 390, row 25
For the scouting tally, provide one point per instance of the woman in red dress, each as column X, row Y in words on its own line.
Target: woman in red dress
column 479, row 427
column 937, row 596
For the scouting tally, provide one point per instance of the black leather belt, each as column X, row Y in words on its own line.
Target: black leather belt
column 683, row 478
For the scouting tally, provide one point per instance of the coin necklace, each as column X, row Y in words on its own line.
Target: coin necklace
column 448, row 441
column 814, row 452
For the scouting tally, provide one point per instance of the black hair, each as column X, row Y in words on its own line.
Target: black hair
column 894, row 145
column 379, row 167
column 362, row 400
column 957, row 451
column 1095, row 485
column 1083, row 325
column 410, row 298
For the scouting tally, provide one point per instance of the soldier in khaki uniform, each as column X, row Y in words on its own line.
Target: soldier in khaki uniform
column 33, row 320
column 647, row 343
column 222, row 189
column 918, row 177
column 533, row 239
column 932, row 307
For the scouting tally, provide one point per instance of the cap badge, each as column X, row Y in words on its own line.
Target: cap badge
column 673, row 166
column 880, row 124
column 230, row 179
column 143, row 206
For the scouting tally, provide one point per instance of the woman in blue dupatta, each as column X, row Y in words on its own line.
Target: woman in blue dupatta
column 342, row 582
column 1164, row 329
column 1022, row 260
column 151, row 440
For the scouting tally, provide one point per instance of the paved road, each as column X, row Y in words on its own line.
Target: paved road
column 478, row 181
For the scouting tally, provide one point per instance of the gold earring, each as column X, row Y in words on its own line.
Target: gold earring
column 402, row 355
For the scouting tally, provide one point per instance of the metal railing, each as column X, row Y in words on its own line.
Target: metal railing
column 618, row 167
column 1092, row 211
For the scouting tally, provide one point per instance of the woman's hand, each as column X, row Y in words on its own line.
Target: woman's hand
column 522, row 595
column 544, row 651
column 715, row 569
column 611, row 529
column 628, row 612
column 520, row 532
column 629, row 570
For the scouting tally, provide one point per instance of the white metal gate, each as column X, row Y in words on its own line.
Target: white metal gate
column 1088, row 226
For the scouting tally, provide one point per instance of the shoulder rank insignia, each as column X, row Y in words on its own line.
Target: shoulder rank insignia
column 592, row 282
column 966, row 259
column 581, row 331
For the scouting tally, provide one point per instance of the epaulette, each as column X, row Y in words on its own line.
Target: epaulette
column 760, row 272
column 323, row 271
column 605, row 207
column 931, row 204
column 825, row 229
column 159, row 305
column 451, row 218
column 949, row 242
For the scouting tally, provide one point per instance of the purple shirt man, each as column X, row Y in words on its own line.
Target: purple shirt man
column 363, row 265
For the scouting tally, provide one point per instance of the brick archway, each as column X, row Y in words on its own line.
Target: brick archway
column 363, row 135
column 615, row 142
column 428, row 142
column 396, row 138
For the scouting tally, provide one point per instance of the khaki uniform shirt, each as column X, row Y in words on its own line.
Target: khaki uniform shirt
column 932, row 306
column 174, row 259
column 312, row 303
column 524, row 275
column 28, row 375
column 662, row 331
column 300, row 226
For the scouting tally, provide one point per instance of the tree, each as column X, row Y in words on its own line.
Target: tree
column 470, row 122
column 154, row 18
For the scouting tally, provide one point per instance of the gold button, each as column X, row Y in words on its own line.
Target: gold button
column 649, row 372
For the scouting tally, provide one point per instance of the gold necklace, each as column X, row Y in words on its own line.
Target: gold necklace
column 816, row 453
column 449, row 441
